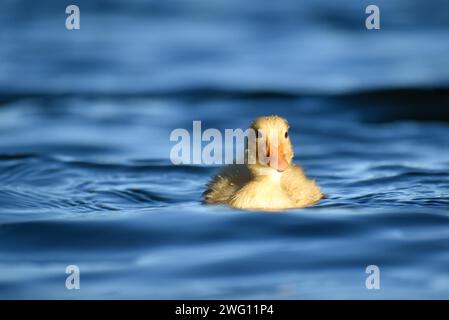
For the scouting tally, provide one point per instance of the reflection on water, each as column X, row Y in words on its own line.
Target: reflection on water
column 85, row 176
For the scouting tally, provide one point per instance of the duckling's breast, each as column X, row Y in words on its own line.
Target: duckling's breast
column 265, row 192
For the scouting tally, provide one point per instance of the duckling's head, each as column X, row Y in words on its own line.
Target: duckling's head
column 273, row 148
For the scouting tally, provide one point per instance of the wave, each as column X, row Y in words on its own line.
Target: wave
column 370, row 106
column 415, row 95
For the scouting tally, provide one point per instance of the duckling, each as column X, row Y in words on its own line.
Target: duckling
column 268, row 180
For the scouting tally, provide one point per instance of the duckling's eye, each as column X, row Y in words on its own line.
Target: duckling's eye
column 286, row 134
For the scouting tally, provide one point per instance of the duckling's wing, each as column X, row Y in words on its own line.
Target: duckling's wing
column 224, row 185
column 302, row 191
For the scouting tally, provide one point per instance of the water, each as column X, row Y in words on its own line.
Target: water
column 85, row 175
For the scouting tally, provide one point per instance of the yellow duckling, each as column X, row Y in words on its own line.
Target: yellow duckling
column 270, row 182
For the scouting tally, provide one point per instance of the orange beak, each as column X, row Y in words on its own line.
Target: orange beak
column 276, row 157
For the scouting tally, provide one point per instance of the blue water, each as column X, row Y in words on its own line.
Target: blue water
column 85, row 175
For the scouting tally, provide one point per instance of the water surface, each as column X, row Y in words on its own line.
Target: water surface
column 85, row 175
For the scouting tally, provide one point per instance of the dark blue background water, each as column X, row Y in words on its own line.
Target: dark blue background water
column 85, row 175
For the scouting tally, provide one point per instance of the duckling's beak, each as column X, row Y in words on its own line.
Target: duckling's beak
column 275, row 155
